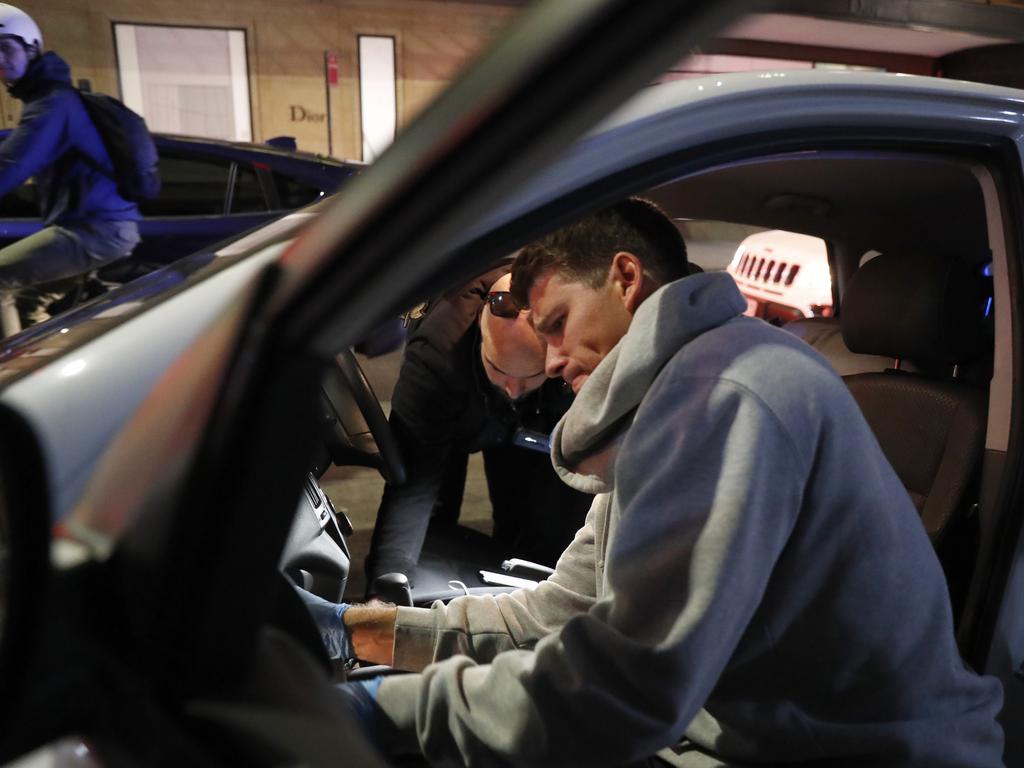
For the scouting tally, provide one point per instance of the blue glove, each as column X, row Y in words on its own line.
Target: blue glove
column 360, row 696
column 328, row 619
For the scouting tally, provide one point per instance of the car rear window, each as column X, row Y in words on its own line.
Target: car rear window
column 189, row 187
column 248, row 197
column 294, row 194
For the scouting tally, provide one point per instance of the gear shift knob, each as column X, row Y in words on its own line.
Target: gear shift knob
column 392, row 588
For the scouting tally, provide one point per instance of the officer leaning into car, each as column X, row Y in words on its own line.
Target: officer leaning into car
column 86, row 222
column 473, row 380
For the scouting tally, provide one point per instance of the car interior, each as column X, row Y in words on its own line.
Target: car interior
column 170, row 637
column 917, row 289
column 913, row 329
column 316, row 556
column 913, row 336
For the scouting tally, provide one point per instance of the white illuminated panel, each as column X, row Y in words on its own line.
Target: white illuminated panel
column 377, row 97
column 188, row 80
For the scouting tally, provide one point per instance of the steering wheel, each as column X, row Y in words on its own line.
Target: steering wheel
column 367, row 430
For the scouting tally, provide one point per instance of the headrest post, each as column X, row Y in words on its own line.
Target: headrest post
column 956, row 370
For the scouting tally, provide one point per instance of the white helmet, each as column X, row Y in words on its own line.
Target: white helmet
column 14, row 21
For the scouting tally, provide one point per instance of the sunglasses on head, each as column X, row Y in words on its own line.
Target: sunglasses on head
column 503, row 305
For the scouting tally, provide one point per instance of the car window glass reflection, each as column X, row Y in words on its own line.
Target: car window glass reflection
column 189, row 187
column 248, row 197
column 294, row 194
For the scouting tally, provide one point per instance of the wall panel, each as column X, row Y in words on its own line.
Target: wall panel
column 286, row 42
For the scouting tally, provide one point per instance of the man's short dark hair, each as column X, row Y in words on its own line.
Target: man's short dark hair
column 583, row 250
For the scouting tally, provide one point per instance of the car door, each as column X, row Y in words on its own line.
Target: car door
column 238, row 401
column 993, row 644
column 399, row 230
column 237, row 405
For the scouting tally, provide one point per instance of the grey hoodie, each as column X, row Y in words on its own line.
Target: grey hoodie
column 752, row 585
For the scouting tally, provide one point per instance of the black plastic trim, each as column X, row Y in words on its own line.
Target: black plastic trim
column 27, row 502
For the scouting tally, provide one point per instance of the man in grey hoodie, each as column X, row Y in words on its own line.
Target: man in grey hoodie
column 752, row 585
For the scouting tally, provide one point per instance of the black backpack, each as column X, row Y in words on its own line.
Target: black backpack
column 129, row 144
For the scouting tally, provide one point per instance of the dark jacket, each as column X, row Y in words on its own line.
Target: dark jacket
column 443, row 393
column 443, row 409
column 56, row 143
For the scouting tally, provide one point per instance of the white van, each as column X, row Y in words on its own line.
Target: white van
column 783, row 275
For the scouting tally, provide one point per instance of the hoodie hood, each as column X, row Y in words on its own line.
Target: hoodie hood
column 45, row 71
column 585, row 440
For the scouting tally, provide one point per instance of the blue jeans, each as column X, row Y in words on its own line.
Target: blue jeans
column 41, row 264
column 59, row 252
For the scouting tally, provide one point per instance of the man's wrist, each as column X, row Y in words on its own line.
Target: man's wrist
column 330, row 622
column 371, row 629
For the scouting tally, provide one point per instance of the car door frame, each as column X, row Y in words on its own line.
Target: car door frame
column 241, row 403
column 275, row 344
column 467, row 150
column 560, row 209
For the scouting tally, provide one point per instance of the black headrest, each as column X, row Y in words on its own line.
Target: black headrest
column 916, row 307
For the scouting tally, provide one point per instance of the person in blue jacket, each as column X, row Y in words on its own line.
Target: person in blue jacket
column 86, row 223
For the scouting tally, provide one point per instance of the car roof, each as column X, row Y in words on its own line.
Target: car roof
column 678, row 93
column 239, row 148
column 219, row 145
column 641, row 142
column 658, row 120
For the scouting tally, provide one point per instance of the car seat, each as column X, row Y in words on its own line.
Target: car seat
column 930, row 423
column 913, row 344
column 826, row 336
column 910, row 342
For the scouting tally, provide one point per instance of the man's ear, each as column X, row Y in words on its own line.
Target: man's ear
column 627, row 277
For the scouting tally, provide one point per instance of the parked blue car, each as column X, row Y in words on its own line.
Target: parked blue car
column 210, row 190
